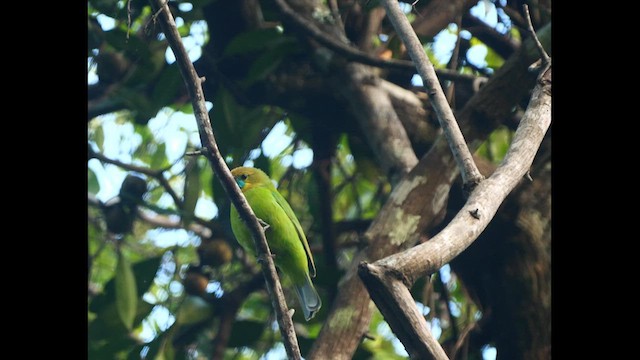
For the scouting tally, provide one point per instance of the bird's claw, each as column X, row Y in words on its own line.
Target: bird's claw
column 263, row 258
column 264, row 225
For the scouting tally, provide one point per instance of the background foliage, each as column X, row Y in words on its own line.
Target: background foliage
column 171, row 282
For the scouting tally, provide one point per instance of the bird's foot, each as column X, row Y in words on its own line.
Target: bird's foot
column 264, row 225
column 263, row 258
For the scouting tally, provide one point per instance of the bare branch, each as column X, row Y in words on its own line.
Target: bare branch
column 470, row 174
column 465, row 227
column 194, row 87
column 413, row 114
column 543, row 54
column 166, row 222
column 463, row 339
column 156, row 174
column 351, row 53
column 453, row 64
column 446, row 299
column 385, row 287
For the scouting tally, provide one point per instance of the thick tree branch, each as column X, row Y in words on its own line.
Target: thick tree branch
column 404, row 317
column 353, row 54
column 194, row 87
column 378, row 120
column 416, row 203
column 471, row 177
column 412, row 113
column 466, row 226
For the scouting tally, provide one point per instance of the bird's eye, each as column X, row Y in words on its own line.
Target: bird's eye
column 244, row 176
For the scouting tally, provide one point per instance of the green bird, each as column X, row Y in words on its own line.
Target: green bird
column 286, row 239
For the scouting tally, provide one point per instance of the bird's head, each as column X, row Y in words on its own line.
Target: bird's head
column 247, row 178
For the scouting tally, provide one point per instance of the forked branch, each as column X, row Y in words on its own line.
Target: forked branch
column 388, row 280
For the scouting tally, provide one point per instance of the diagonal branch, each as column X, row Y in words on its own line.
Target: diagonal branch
column 386, row 278
column 210, row 148
column 351, row 53
column 543, row 54
column 471, row 176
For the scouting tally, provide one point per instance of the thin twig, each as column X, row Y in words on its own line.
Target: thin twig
column 128, row 18
column 166, row 222
column 351, row 53
column 462, row 340
column 193, row 83
column 446, row 298
column 156, row 174
column 453, row 63
column 546, row 59
column 471, row 176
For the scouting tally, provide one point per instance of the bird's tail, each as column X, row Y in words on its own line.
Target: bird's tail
column 309, row 299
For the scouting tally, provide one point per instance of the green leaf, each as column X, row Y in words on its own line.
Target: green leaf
column 118, row 40
column 206, row 177
column 98, row 137
column 107, row 324
column 155, row 194
column 499, row 142
column 159, row 158
column 493, row 59
column 144, row 272
column 245, row 333
column 265, row 64
column 193, row 310
column 186, row 108
column 92, row 183
column 184, row 30
column 169, row 82
column 192, row 189
column 254, row 40
column 238, row 128
column 106, row 7
column 126, row 292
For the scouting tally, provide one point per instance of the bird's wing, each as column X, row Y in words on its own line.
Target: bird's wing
column 292, row 216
